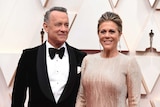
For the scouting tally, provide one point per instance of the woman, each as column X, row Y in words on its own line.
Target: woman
column 109, row 78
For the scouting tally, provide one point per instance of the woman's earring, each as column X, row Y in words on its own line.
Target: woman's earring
column 119, row 46
column 100, row 46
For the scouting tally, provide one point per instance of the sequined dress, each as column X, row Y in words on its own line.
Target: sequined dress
column 109, row 82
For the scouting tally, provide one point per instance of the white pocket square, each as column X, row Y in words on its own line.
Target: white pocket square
column 78, row 70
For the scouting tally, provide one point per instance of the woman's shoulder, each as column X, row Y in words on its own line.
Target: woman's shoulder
column 127, row 58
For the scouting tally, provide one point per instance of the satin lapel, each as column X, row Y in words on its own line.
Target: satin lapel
column 72, row 75
column 42, row 73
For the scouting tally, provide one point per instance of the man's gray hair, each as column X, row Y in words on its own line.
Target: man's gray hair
column 61, row 9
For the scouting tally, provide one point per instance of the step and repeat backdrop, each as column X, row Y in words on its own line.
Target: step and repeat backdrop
column 21, row 25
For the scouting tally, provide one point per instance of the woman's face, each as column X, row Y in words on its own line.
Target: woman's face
column 109, row 35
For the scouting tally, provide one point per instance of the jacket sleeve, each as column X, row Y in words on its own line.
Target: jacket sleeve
column 20, row 84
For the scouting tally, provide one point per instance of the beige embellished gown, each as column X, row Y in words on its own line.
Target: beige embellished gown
column 109, row 82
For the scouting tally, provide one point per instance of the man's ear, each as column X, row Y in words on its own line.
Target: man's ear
column 45, row 26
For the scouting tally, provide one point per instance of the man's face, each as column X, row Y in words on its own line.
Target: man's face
column 57, row 28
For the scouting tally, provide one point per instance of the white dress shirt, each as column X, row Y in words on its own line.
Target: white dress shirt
column 58, row 71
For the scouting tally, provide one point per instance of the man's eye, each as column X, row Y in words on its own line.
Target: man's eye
column 66, row 25
column 58, row 24
column 103, row 31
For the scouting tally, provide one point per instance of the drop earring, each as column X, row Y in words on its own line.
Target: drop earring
column 119, row 46
column 100, row 46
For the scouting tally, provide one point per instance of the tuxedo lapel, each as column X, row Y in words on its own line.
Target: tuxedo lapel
column 42, row 74
column 72, row 74
column 43, row 78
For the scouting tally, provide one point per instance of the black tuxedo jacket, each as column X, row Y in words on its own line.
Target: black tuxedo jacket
column 32, row 74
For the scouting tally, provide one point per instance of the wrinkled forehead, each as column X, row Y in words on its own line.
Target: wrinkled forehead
column 57, row 15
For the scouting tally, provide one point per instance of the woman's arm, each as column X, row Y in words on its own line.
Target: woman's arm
column 134, row 83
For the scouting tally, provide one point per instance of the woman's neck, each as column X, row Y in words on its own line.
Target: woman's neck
column 109, row 54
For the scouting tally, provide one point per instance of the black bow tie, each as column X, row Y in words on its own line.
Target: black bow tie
column 53, row 51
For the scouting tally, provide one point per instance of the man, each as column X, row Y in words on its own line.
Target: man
column 52, row 79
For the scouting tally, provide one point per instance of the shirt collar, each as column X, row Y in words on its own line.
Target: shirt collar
column 48, row 45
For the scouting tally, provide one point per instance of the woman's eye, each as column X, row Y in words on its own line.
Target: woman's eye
column 111, row 31
column 103, row 31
